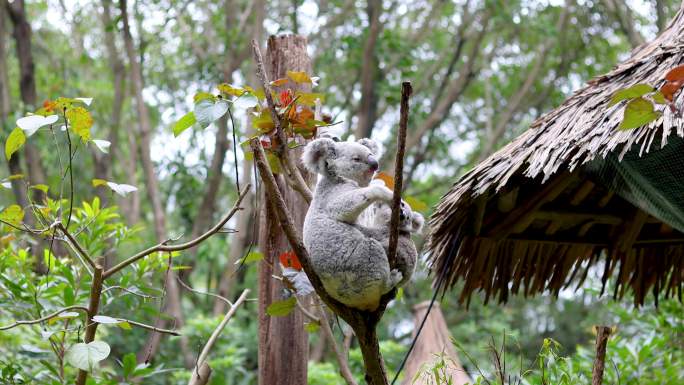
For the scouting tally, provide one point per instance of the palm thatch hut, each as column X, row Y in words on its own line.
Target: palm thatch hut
column 573, row 192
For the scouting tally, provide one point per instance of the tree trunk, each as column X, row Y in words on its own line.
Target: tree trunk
column 281, row 337
column 369, row 72
column 602, row 334
column 173, row 304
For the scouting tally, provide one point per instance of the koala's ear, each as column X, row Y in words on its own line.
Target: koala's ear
column 372, row 146
column 417, row 222
column 316, row 152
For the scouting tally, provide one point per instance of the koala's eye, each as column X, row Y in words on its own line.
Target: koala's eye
column 356, row 159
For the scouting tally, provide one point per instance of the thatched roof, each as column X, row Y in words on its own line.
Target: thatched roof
column 556, row 201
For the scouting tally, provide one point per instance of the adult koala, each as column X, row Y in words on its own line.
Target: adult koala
column 409, row 223
column 351, row 264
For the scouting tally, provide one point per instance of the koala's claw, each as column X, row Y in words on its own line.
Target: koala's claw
column 383, row 193
column 395, row 277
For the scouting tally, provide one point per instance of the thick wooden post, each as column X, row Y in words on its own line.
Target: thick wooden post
column 283, row 342
column 602, row 334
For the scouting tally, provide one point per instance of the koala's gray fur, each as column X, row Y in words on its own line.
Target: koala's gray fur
column 352, row 264
column 409, row 222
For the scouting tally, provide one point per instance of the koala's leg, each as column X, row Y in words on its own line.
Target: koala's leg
column 347, row 207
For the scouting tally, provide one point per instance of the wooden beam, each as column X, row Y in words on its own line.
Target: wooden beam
column 575, row 217
column 520, row 217
column 507, row 201
column 582, row 192
column 480, row 205
column 606, row 198
column 631, row 231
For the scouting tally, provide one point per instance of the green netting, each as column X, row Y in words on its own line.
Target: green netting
column 654, row 182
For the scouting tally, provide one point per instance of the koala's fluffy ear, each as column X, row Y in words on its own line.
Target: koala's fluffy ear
column 417, row 222
column 315, row 154
column 372, row 146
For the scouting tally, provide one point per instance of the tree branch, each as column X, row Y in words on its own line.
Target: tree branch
column 299, row 184
column 74, row 242
column 45, row 318
column 342, row 360
column 214, row 336
column 183, row 246
column 399, row 173
column 149, row 327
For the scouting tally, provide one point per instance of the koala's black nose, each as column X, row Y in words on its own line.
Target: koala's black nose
column 372, row 163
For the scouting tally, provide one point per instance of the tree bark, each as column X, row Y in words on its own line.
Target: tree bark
column 623, row 15
column 369, row 72
column 281, row 337
column 173, row 304
column 602, row 334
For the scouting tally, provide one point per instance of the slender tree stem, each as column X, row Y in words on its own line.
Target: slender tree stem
column 45, row 318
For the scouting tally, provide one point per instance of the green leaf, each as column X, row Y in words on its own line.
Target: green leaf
column 42, row 187
column 203, row 96
column 124, row 325
column 87, row 356
column 635, row 91
column 416, row 204
column 638, row 112
column 69, row 298
column 15, row 140
column 273, row 162
column 229, row 90
column 312, row 327
column 13, row 214
column 246, row 100
column 659, row 98
column 129, row 364
column 299, row 77
column 281, row 308
column 207, row 111
column 99, row 182
column 184, row 123
column 251, row 257
column 80, row 122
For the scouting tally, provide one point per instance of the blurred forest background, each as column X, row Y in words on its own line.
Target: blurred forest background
column 482, row 71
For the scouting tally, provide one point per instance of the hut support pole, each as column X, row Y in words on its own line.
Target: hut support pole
column 602, row 334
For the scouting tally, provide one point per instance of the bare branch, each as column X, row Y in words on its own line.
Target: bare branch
column 47, row 317
column 149, row 327
column 214, row 336
column 399, row 173
column 190, row 289
column 129, row 292
column 183, row 246
column 74, row 243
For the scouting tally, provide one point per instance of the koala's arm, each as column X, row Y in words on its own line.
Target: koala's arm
column 347, row 206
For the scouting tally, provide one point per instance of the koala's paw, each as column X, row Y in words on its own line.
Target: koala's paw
column 395, row 277
column 417, row 222
column 381, row 193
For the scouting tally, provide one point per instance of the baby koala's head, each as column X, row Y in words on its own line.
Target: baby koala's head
column 352, row 160
column 409, row 221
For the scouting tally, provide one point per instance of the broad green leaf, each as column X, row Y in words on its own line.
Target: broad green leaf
column 30, row 124
column 247, row 100
column 312, row 327
column 416, row 204
column 13, row 214
column 229, row 90
column 281, row 308
column 61, row 316
column 121, row 189
column 15, row 176
column 42, row 187
column 252, row 256
column 80, row 122
column 273, row 162
column 69, row 298
column 15, row 140
column 263, row 122
column 659, row 98
column 203, row 96
column 207, row 111
column 184, row 123
column 299, row 77
column 635, row 91
column 87, row 356
column 102, row 145
column 638, row 112
column 129, row 364
column 99, row 182
column 124, row 325
column 103, row 319
column 309, row 98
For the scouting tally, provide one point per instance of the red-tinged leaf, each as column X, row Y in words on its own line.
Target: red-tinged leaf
column 285, row 97
column 676, row 74
column 279, row 82
column 670, row 89
column 289, row 259
column 387, row 178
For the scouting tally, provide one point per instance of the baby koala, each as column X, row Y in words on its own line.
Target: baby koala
column 410, row 222
column 351, row 264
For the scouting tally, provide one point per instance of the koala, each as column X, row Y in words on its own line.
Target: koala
column 409, row 223
column 351, row 264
